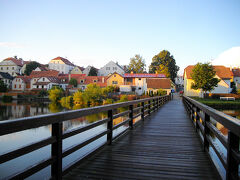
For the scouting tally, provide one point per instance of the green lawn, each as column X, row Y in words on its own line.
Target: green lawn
column 219, row 104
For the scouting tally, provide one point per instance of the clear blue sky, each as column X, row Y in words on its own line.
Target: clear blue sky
column 93, row 32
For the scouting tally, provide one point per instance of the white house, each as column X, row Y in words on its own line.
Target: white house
column 46, row 83
column 236, row 77
column 110, row 68
column 21, row 83
column 77, row 70
column 12, row 66
column 62, row 65
column 6, row 78
column 223, row 73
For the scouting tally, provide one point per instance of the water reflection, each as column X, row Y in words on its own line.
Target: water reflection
column 15, row 140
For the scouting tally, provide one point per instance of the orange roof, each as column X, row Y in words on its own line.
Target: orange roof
column 143, row 75
column 100, row 80
column 221, row 71
column 236, row 72
column 66, row 61
column 38, row 74
column 18, row 62
column 159, row 83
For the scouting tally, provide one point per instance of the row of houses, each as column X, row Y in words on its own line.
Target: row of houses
column 128, row 82
column 225, row 74
column 16, row 66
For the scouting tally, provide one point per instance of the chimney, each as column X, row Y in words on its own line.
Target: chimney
column 15, row 57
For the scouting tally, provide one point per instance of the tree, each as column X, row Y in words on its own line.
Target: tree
column 55, row 94
column 234, row 88
column 137, row 64
column 164, row 63
column 203, row 77
column 93, row 72
column 3, row 86
column 73, row 82
column 30, row 67
column 93, row 94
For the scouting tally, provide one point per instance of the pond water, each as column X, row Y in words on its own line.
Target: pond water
column 13, row 141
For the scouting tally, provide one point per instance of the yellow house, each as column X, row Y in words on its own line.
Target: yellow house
column 223, row 73
column 77, row 70
column 115, row 79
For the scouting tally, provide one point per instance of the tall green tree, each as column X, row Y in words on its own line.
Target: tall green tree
column 93, row 72
column 164, row 63
column 137, row 64
column 30, row 67
column 73, row 82
column 203, row 76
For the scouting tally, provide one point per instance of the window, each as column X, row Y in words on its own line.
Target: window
column 114, row 68
column 114, row 82
column 1, row 68
column 7, row 68
column 107, row 68
column 94, row 80
column 19, row 86
column 139, row 79
column 114, row 75
column 82, row 81
column 12, row 73
column 15, row 86
column 43, row 79
column 12, row 68
column 139, row 88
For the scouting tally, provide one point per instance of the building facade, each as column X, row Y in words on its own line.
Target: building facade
column 110, row 68
column 62, row 65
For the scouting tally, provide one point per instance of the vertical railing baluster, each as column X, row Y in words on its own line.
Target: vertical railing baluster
column 110, row 127
column 56, row 151
column 149, row 107
column 158, row 103
column 206, row 132
column 131, row 117
column 142, row 111
column 197, row 118
column 154, row 105
column 232, row 163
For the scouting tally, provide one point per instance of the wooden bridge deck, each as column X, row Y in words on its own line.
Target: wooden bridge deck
column 165, row 147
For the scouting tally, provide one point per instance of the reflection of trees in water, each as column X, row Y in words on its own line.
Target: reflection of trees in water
column 95, row 117
column 4, row 112
column 55, row 107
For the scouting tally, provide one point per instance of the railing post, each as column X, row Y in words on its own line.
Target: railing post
column 56, row 151
column 206, row 132
column 232, row 164
column 131, row 117
column 154, row 105
column 197, row 118
column 149, row 107
column 142, row 111
column 110, row 127
column 158, row 103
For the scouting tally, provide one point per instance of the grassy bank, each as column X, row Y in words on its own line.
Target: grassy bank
column 219, row 104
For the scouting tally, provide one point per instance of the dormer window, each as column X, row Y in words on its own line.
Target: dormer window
column 95, row 80
column 82, row 81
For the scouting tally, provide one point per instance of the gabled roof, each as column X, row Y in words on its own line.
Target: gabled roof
column 143, row 75
column 114, row 74
column 66, row 61
column 159, row 83
column 221, row 71
column 236, row 72
column 18, row 62
column 26, row 79
column 6, row 75
column 38, row 74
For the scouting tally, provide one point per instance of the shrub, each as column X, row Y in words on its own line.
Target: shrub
column 55, row 94
column 42, row 93
column 107, row 101
column 161, row 92
column 6, row 98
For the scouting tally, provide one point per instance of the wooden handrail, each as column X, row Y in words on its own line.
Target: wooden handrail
column 231, row 142
column 57, row 137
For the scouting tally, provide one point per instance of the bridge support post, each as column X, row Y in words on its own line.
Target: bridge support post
column 110, row 127
column 56, row 151
column 206, row 132
column 232, row 164
column 149, row 108
column 142, row 111
column 131, row 117
column 197, row 118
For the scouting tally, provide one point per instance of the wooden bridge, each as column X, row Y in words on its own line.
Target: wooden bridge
column 164, row 144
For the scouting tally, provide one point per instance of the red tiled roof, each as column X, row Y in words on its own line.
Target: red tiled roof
column 236, row 72
column 159, row 83
column 100, row 80
column 221, row 71
column 18, row 62
column 25, row 79
column 143, row 75
column 66, row 61
column 38, row 74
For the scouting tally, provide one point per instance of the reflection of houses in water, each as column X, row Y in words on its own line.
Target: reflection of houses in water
column 38, row 110
column 221, row 128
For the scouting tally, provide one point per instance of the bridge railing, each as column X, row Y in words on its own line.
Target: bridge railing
column 208, row 123
column 145, row 106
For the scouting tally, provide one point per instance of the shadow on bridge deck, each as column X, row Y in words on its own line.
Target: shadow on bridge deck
column 164, row 147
